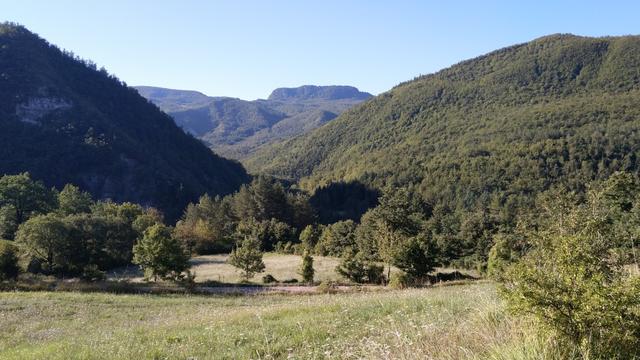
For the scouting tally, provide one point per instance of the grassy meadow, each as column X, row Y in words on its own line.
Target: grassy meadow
column 452, row 322
column 215, row 268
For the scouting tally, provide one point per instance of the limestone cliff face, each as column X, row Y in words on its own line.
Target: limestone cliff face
column 65, row 121
column 38, row 107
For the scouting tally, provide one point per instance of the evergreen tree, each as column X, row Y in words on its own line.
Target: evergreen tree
column 248, row 258
column 306, row 269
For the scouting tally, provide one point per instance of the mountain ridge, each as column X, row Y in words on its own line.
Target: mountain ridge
column 66, row 121
column 556, row 111
column 236, row 128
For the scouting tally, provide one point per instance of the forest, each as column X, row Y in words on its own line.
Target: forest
column 489, row 210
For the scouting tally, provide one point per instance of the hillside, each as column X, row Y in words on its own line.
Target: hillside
column 488, row 133
column 236, row 128
column 65, row 121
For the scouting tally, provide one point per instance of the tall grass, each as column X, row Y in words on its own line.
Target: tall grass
column 455, row 322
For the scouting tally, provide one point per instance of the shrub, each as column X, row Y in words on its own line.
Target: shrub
column 269, row 279
column 401, row 280
column 355, row 267
column 188, row 281
column 92, row 273
column 416, row 257
column 328, row 287
column 8, row 260
column 573, row 281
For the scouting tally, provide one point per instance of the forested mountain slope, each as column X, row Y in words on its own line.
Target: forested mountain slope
column 67, row 122
column 236, row 128
column 490, row 132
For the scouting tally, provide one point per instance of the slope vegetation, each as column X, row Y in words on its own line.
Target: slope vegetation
column 65, row 121
column 236, row 128
column 490, row 132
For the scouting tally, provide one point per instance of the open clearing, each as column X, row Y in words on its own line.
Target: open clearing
column 453, row 322
column 215, row 268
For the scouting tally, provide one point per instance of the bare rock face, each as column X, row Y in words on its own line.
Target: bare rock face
column 36, row 108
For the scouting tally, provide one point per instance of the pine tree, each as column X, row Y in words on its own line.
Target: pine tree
column 248, row 257
column 306, row 269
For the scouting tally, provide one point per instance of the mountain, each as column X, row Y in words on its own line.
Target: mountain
column 65, row 121
column 236, row 128
column 487, row 133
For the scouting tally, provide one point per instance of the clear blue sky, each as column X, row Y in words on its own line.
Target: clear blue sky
column 247, row 48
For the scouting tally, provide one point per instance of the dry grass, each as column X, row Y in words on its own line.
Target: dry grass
column 215, row 268
column 455, row 322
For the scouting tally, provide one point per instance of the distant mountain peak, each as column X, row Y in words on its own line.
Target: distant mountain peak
column 313, row 92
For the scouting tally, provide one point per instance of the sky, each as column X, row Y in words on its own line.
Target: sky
column 245, row 49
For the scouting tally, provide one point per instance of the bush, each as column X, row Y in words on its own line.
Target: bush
column 92, row 273
column 355, row 267
column 290, row 281
column 8, row 260
column 401, row 280
column 328, row 287
column 188, row 281
column 269, row 279
column 575, row 284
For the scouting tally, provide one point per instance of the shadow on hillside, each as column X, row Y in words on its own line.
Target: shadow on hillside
column 343, row 201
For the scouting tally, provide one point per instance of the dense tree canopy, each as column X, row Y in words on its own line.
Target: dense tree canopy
column 65, row 121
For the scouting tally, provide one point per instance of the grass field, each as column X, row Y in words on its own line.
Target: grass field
column 215, row 268
column 454, row 322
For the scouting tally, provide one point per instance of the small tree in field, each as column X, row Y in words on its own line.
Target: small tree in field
column 248, row 258
column 159, row 254
column 306, row 269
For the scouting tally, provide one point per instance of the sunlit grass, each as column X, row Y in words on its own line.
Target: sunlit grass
column 456, row 322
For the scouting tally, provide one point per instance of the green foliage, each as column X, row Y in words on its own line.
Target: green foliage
column 160, row 255
column 267, row 232
column 417, row 257
column 92, row 273
column 9, row 268
column 310, row 236
column 574, row 278
column 72, row 201
column 336, row 238
column 480, row 140
column 389, row 232
column 65, row 121
column 401, row 280
column 357, row 268
column 43, row 239
column 263, row 209
column 248, row 257
column 20, row 199
column 8, row 222
column 306, row 268
column 506, row 250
